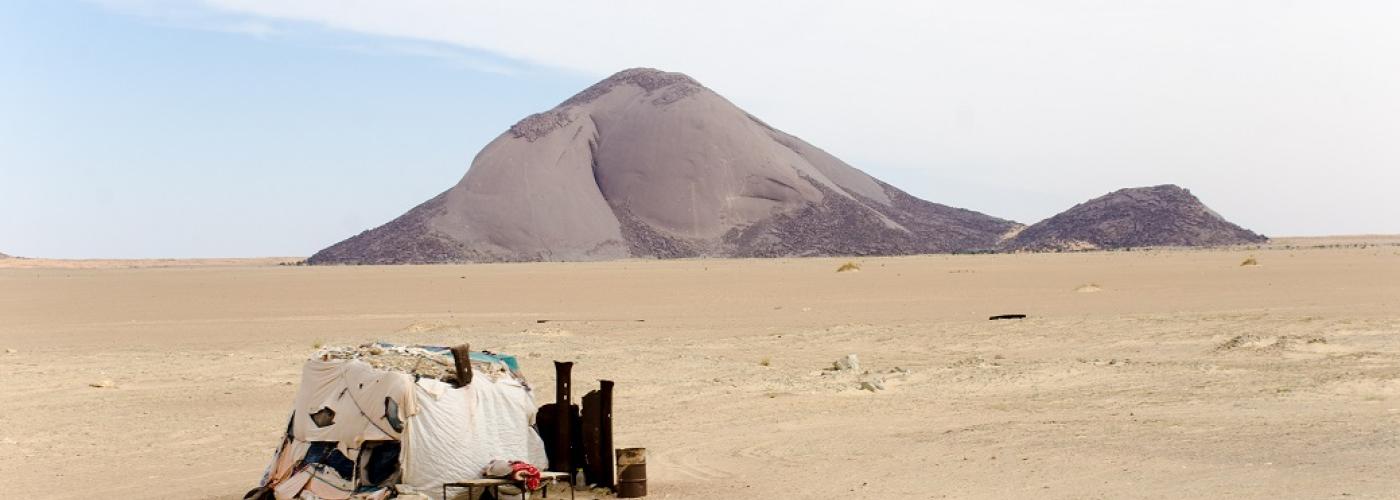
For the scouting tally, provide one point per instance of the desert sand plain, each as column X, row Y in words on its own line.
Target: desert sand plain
column 1184, row 375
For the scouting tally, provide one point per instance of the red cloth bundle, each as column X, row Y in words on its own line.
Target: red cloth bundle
column 525, row 473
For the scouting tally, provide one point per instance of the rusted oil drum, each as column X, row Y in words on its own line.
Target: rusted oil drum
column 631, row 472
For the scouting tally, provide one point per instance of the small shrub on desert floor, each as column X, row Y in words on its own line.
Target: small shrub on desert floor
column 848, row 267
column 1249, row 262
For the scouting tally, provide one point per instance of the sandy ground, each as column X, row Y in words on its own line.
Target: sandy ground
column 1184, row 375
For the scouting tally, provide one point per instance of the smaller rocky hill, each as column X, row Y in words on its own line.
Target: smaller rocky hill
column 1165, row 215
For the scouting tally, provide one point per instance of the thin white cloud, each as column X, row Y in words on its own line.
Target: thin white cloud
column 1281, row 114
column 198, row 16
column 450, row 55
column 251, row 28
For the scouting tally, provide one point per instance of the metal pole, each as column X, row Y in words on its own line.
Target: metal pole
column 605, row 433
column 564, row 423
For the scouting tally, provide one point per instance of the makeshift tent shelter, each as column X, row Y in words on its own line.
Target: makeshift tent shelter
column 369, row 418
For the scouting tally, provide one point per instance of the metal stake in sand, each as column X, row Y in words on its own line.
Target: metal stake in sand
column 564, row 423
column 597, row 435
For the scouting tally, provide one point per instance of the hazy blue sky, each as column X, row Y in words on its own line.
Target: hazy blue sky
column 163, row 128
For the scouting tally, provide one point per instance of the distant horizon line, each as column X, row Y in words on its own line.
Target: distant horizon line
column 1273, row 241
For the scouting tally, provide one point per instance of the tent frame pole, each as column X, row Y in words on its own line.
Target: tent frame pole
column 563, row 403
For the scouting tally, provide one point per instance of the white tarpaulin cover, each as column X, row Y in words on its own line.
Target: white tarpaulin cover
column 456, row 432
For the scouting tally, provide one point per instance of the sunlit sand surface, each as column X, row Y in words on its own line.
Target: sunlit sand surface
column 1181, row 374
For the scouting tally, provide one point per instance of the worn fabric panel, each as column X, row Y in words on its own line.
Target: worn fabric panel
column 290, row 488
column 287, row 456
column 355, row 391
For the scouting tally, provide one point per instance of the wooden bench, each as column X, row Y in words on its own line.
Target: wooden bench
column 547, row 478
